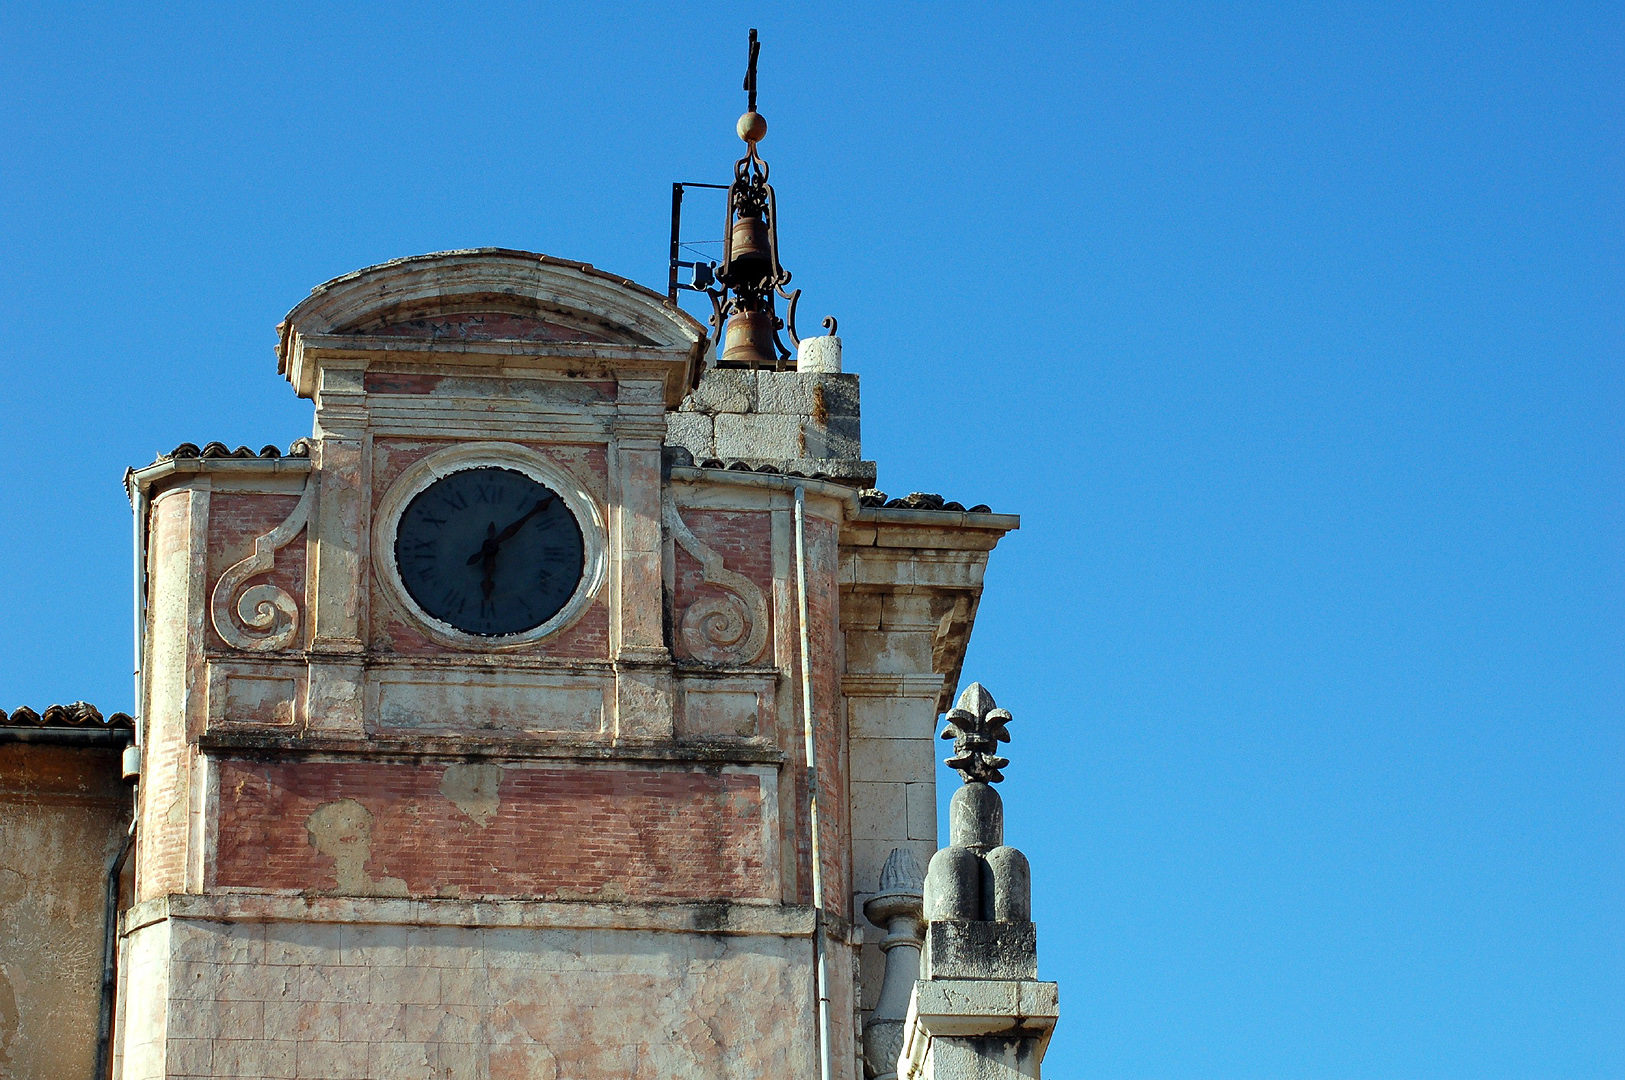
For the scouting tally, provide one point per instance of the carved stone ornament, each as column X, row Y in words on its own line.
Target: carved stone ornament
column 718, row 630
column 263, row 617
column 977, row 728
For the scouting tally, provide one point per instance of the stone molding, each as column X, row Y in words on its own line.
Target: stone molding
column 723, row 918
column 244, row 470
column 845, row 495
column 880, row 684
column 562, row 747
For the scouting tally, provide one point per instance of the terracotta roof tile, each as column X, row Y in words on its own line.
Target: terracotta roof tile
column 79, row 714
column 300, row 448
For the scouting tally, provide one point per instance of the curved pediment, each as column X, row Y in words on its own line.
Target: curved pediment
column 486, row 295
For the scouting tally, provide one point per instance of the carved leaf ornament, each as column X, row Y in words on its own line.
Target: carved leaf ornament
column 263, row 617
column 718, row 630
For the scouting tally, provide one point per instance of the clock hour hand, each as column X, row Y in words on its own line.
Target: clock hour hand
column 487, row 558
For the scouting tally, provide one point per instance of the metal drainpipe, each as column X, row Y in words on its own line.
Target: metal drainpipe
column 130, row 766
column 104, row 1021
column 138, row 504
column 819, row 943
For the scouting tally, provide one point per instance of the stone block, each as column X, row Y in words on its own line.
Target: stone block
column 723, row 390
column 969, row 949
column 296, row 944
column 694, row 432
column 346, row 986
column 891, row 653
column 861, row 611
column 222, row 943
column 192, row 1020
column 839, row 438
column 891, row 718
column 289, row 1019
column 758, row 436
column 906, row 761
column 373, row 946
column 793, row 393
column 332, row 1060
column 259, row 1058
column 405, row 986
column 879, row 811
column 922, row 811
column 399, row 1061
column 190, row 1057
column 955, row 1007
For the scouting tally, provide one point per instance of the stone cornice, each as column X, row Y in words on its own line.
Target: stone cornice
column 145, row 478
column 412, row 747
column 845, row 495
column 882, row 527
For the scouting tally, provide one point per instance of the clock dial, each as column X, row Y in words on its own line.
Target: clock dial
column 489, row 551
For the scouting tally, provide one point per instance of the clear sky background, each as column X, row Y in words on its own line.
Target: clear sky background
column 1294, row 333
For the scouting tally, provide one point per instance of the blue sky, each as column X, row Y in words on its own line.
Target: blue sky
column 1293, row 332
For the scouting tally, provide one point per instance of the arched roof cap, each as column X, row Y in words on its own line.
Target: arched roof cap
column 554, row 300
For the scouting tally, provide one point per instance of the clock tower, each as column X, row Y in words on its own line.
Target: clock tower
column 552, row 711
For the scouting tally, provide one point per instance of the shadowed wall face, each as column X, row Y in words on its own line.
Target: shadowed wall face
column 63, row 812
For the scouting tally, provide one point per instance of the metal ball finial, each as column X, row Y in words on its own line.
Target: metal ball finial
column 752, row 127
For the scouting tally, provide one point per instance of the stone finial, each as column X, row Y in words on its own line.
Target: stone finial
column 977, row 727
column 897, row 908
column 978, row 891
column 978, row 1009
column 901, row 873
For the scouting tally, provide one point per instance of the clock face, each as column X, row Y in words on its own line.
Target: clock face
column 489, row 551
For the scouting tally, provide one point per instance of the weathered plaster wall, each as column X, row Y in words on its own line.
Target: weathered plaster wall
column 63, row 815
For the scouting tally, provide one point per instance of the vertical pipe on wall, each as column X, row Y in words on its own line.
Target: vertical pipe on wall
column 130, row 769
column 819, row 943
column 138, row 506
column 104, row 1019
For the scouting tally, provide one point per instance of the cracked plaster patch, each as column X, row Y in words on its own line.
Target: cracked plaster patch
column 342, row 829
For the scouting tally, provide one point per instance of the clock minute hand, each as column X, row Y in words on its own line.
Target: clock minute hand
column 494, row 539
column 541, row 504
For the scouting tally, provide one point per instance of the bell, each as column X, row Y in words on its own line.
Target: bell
column 749, row 341
column 751, row 259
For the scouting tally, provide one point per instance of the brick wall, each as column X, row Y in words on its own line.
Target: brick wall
column 569, row 832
